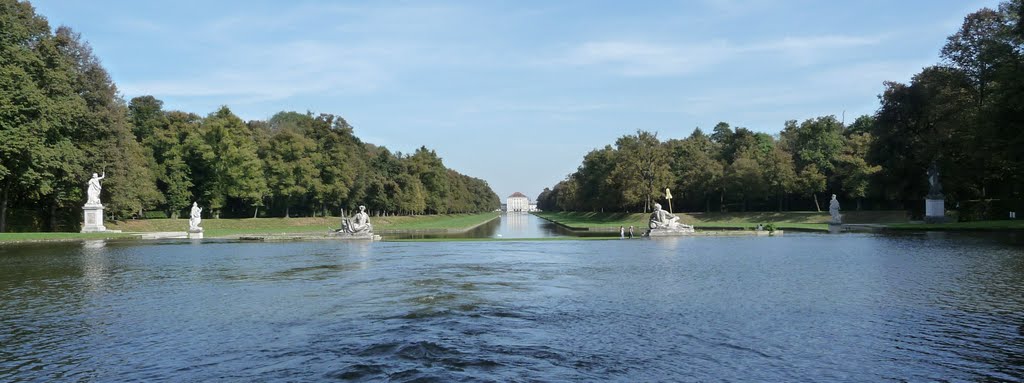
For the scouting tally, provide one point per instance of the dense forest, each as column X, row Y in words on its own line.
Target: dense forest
column 62, row 118
column 966, row 114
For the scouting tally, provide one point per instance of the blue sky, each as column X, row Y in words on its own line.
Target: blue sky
column 516, row 92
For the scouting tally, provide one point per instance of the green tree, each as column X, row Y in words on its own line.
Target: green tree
column 642, row 169
column 230, row 165
column 853, row 170
column 290, row 163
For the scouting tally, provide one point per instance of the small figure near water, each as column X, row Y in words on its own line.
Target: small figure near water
column 195, row 217
column 94, row 188
column 630, row 231
column 622, row 232
column 833, row 210
column 360, row 223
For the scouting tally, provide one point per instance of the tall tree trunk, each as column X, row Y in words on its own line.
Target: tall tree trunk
column 721, row 201
column 817, row 207
column 53, row 216
column 3, row 208
column 257, row 212
column 858, row 203
column 286, row 211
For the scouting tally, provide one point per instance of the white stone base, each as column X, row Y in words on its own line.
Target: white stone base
column 934, row 210
column 365, row 235
column 679, row 230
column 195, row 233
column 92, row 218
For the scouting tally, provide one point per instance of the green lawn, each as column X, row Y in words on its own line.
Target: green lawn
column 235, row 226
column 976, row 225
column 239, row 226
column 30, row 237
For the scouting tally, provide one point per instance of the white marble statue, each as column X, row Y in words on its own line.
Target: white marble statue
column 663, row 223
column 195, row 217
column 360, row 223
column 833, row 210
column 93, row 192
column 661, row 219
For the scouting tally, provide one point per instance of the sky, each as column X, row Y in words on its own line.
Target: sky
column 516, row 92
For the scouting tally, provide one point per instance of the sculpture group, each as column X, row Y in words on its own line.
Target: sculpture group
column 663, row 223
column 357, row 227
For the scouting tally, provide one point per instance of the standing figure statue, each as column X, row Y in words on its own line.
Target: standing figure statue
column 934, row 186
column 93, row 192
column 195, row 217
column 833, row 210
column 661, row 219
column 360, row 223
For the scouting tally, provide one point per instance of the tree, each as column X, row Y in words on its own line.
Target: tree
column 810, row 182
column 290, row 162
column 230, row 165
column 853, row 170
column 780, row 173
column 642, row 170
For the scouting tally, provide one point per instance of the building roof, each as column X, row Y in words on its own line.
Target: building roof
column 517, row 194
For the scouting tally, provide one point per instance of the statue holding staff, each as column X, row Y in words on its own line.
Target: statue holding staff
column 93, row 189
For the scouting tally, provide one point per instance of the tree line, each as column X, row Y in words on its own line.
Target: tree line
column 62, row 118
column 966, row 114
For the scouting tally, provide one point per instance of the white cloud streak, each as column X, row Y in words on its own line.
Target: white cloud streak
column 640, row 58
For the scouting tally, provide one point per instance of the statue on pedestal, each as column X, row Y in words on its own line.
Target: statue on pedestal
column 195, row 217
column 665, row 223
column 93, row 192
column 833, row 210
column 358, row 224
column 92, row 212
column 935, row 201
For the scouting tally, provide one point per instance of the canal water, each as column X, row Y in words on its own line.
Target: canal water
column 507, row 226
column 802, row 307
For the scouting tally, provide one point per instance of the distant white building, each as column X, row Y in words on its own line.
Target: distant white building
column 519, row 202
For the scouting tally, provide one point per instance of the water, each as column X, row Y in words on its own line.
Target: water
column 508, row 226
column 806, row 307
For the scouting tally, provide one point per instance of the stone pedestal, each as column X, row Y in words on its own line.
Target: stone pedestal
column 934, row 209
column 679, row 230
column 195, row 233
column 93, row 218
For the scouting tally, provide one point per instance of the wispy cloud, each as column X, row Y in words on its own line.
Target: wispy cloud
column 642, row 58
column 272, row 72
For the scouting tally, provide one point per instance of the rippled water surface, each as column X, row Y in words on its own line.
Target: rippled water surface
column 797, row 308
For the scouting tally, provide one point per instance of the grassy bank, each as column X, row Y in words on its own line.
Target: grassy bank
column 39, row 237
column 799, row 220
column 225, row 227
column 1002, row 225
column 221, row 227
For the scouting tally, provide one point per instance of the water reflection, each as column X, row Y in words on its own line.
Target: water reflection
column 509, row 225
column 94, row 264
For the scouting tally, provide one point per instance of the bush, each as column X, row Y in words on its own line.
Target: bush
column 154, row 214
column 988, row 209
